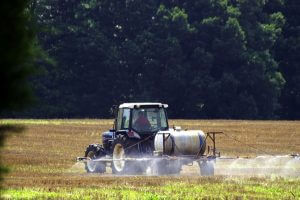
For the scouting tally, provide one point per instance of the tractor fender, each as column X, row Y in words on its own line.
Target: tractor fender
column 99, row 150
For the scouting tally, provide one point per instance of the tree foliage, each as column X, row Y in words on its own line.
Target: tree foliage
column 18, row 53
column 287, row 52
column 207, row 59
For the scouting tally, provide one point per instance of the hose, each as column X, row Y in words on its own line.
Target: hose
column 257, row 149
column 145, row 139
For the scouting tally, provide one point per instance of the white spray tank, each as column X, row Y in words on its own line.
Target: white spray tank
column 178, row 142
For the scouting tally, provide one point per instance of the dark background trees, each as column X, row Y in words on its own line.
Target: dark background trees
column 288, row 55
column 206, row 59
column 18, row 54
column 17, row 41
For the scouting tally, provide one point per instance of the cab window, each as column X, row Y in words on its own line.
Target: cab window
column 125, row 118
column 149, row 120
column 119, row 122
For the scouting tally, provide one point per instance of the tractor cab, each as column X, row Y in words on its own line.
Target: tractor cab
column 141, row 118
column 136, row 121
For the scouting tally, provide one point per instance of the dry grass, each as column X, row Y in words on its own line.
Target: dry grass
column 44, row 154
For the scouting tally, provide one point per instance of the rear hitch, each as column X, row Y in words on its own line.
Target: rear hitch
column 82, row 159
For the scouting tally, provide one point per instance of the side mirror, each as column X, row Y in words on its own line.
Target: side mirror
column 114, row 111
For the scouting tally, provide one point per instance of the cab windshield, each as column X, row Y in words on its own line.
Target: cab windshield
column 149, row 119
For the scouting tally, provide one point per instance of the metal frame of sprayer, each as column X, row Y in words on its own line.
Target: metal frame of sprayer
column 211, row 155
column 205, row 161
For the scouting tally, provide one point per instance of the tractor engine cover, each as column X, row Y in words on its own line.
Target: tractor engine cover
column 178, row 142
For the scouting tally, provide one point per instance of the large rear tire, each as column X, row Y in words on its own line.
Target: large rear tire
column 125, row 148
column 93, row 152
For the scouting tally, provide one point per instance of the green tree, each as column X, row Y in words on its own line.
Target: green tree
column 18, row 51
column 241, row 78
column 93, row 43
column 209, row 59
column 287, row 53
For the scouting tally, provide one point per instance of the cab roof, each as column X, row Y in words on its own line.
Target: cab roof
column 141, row 105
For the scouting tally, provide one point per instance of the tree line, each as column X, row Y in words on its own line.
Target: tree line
column 235, row 59
column 18, row 54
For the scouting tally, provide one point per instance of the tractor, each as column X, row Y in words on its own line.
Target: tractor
column 141, row 140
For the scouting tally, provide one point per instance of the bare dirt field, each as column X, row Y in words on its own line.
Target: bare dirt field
column 42, row 162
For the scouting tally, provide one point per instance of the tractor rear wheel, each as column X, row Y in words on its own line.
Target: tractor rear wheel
column 207, row 168
column 93, row 152
column 124, row 148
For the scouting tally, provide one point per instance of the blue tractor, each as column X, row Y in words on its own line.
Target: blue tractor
column 141, row 139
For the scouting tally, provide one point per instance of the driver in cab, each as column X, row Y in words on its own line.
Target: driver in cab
column 142, row 122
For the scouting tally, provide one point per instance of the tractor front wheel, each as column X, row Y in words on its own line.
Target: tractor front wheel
column 93, row 152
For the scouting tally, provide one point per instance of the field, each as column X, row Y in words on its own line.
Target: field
column 42, row 163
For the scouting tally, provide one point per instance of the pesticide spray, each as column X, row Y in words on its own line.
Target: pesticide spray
column 265, row 165
column 261, row 166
